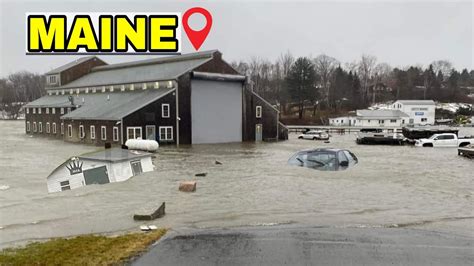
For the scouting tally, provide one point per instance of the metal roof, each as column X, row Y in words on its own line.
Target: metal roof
column 383, row 114
column 102, row 106
column 416, row 102
column 156, row 69
column 71, row 64
column 114, row 155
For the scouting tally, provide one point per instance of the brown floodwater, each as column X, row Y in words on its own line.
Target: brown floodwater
column 390, row 186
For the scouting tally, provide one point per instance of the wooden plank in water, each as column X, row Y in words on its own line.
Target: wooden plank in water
column 158, row 213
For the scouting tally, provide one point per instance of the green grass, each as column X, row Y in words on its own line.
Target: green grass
column 82, row 250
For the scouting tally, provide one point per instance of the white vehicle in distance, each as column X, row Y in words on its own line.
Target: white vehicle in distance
column 314, row 135
column 444, row 140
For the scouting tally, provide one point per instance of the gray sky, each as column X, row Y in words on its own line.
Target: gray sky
column 399, row 33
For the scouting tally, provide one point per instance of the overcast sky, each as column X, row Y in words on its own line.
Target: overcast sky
column 399, row 33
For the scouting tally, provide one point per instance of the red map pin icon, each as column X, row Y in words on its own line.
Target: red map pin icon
column 197, row 38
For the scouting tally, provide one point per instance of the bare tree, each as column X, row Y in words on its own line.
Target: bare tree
column 444, row 66
column 366, row 69
column 324, row 66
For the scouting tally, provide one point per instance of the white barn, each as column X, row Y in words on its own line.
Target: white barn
column 106, row 166
column 420, row 112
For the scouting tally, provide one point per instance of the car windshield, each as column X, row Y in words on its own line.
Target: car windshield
column 321, row 160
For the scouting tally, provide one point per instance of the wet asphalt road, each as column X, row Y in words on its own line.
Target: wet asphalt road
column 286, row 245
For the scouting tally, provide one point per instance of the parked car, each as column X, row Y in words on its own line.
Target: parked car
column 314, row 135
column 326, row 159
column 444, row 140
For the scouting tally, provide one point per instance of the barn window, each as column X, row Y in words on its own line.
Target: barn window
column 165, row 110
column 47, row 110
column 27, row 110
column 62, row 110
column 134, row 132
column 40, row 127
column 62, row 128
column 115, row 134
column 34, row 127
column 54, row 128
column 68, row 110
column 166, row 133
column 34, row 110
column 92, row 132
column 258, row 111
column 53, row 111
column 39, row 110
column 28, row 126
column 69, row 131
column 65, row 185
column 393, row 120
column 103, row 133
column 82, row 134
column 48, row 128
column 52, row 79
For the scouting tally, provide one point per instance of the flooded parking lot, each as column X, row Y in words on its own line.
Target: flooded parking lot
column 390, row 186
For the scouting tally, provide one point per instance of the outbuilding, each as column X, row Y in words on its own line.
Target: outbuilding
column 106, row 166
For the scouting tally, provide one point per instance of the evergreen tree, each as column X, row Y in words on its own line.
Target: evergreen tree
column 301, row 82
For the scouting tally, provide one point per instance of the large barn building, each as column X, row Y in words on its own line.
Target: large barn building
column 185, row 99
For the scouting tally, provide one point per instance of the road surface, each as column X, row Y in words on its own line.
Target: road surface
column 287, row 245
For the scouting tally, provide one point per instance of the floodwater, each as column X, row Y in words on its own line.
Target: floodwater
column 390, row 186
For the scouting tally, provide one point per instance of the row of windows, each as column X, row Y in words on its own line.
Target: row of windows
column 165, row 133
column 103, row 132
column 165, row 110
column 48, row 110
column 38, row 127
column 112, row 88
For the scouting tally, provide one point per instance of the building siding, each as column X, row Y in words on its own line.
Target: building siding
column 151, row 115
column 269, row 119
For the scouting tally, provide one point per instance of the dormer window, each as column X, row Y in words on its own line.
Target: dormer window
column 52, row 79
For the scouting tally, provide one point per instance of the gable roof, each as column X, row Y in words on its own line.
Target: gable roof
column 102, row 106
column 156, row 69
column 71, row 64
column 416, row 102
column 382, row 114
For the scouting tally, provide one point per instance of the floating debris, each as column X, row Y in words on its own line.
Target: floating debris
column 201, row 174
column 158, row 213
column 187, row 186
column 217, row 162
column 4, row 187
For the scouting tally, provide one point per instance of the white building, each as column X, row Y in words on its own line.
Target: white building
column 381, row 118
column 420, row 112
column 107, row 166
column 343, row 121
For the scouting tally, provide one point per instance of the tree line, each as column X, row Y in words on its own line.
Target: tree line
column 323, row 83
column 18, row 89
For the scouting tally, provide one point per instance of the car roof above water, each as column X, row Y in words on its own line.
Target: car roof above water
column 322, row 150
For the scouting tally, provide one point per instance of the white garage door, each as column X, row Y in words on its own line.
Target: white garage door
column 216, row 111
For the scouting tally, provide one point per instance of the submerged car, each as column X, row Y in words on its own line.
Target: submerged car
column 326, row 159
column 314, row 135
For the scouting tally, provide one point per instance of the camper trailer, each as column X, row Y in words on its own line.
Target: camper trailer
column 106, row 166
